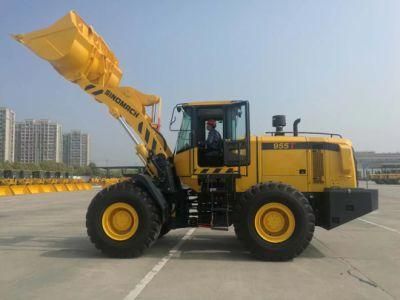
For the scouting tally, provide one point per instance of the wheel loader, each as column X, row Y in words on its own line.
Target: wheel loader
column 274, row 188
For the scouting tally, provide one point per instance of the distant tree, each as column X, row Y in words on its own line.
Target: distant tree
column 52, row 166
column 30, row 167
column 116, row 173
column 94, row 170
column 7, row 165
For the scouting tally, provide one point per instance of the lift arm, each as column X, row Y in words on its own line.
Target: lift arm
column 81, row 56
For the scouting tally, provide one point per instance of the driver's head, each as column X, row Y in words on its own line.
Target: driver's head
column 211, row 124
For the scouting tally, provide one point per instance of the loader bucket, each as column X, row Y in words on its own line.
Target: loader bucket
column 75, row 50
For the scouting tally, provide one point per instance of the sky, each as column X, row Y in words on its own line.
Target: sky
column 334, row 64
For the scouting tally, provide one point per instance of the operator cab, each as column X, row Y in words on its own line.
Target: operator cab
column 231, row 123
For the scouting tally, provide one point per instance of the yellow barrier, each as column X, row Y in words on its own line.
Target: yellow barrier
column 79, row 186
column 48, row 188
column 71, row 187
column 5, row 190
column 36, row 186
column 59, row 187
column 19, row 189
column 87, row 186
column 34, row 189
column 106, row 182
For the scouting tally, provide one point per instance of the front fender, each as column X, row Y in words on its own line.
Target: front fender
column 147, row 183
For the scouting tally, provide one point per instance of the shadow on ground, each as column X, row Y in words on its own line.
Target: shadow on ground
column 227, row 247
column 51, row 246
column 200, row 246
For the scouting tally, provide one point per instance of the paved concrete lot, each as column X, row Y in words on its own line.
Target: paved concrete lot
column 45, row 254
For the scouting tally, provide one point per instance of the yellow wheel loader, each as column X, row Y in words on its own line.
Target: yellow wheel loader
column 274, row 189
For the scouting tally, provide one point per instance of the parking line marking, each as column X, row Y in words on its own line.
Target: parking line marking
column 133, row 294
column 379, row 225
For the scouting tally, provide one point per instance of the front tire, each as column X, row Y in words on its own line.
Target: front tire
column 275, row 221
column 164, row 229
column 123, row 220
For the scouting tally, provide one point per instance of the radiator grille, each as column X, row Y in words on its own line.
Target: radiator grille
column 318, row 166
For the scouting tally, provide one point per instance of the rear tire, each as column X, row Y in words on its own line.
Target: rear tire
column 279, row 205
column 138, row 226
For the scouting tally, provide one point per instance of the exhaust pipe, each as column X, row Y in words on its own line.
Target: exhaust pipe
column 295, row 127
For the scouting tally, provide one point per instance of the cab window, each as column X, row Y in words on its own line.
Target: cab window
column 185, row 133
column 237, row 138
column 236, row 123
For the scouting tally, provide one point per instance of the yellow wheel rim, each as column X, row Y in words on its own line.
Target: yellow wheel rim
column 120, row 221
column 274, row 222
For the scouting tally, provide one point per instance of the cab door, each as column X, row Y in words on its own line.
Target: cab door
column 237, row 134
column 183, row 158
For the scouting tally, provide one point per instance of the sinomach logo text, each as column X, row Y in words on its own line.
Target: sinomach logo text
column 121, row 102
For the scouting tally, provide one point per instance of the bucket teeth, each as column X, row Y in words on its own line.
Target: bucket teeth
column 18, row 37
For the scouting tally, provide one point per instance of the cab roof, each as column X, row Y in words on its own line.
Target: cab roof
column 211, row 102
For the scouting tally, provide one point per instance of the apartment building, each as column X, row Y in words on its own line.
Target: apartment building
column 76, row 148
column 7, row 134
column 37, row 141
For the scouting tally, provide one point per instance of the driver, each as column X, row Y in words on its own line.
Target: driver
column 213, row 142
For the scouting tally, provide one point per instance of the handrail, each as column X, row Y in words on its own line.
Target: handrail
column 308, row 132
